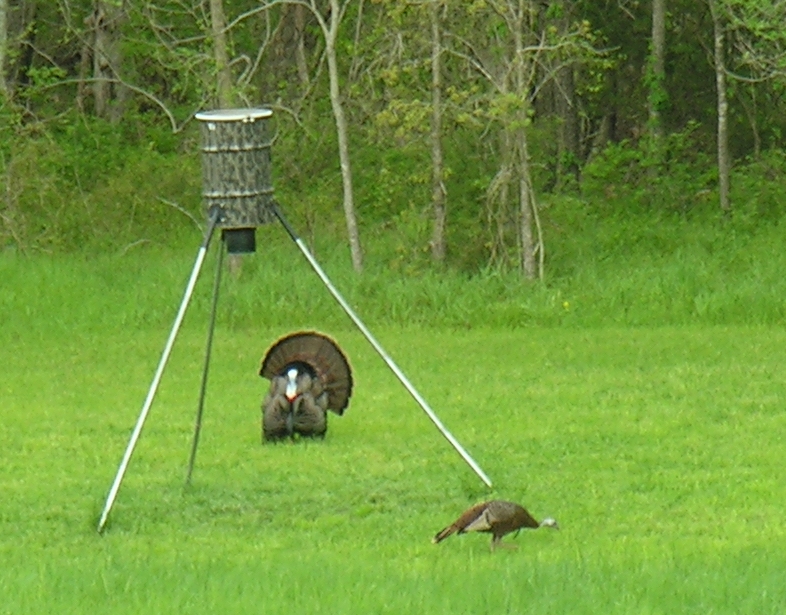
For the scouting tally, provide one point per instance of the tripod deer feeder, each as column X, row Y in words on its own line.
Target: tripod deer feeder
column 238, row 196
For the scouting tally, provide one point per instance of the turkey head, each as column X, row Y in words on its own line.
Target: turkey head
column 309, row 375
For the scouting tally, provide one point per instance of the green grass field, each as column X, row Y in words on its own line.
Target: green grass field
column 660, row 450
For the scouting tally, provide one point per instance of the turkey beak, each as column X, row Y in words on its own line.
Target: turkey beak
column 291, row 392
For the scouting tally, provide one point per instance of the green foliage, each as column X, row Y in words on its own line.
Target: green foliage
column 757, row 191
column 60, row 196
column 632, row 268
column 74, row 180
column 45, row 76
column 755, row 26
column 675, row 177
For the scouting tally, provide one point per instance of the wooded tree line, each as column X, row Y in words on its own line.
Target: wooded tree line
column 539, row 89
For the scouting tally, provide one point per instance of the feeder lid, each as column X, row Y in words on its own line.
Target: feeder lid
column 233, row 115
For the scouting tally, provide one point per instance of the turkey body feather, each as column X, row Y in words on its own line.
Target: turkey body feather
column 318, row 354
column 276, row 411
column 497, row 517
column 309, row 375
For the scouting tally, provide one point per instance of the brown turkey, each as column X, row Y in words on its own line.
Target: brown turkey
column 309, row 375
column 496, row 517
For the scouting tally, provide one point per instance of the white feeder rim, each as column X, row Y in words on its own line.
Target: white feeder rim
column 233, row 115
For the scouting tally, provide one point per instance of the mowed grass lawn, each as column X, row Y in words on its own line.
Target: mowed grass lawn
column 662, row 453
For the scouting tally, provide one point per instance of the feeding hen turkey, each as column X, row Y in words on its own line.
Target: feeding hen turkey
column 496, row 517
column 309, row 375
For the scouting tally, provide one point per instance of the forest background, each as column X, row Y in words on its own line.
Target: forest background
column 565, row 141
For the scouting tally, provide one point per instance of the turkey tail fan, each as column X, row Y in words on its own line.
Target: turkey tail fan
column 443, row 534
column 323, row 358
column 469, row 516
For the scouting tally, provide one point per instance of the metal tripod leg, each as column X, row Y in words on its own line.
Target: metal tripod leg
column 110, row 500
column 208, row 349
column 381, row 351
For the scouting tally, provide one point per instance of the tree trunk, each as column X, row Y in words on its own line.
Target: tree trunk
column 521, row 158
column 568, row 145
column 85, row 60
column 528, row 263
column 224, row 95
column 331, row 32
column 3, row 48
column 300, row 45
column 751, row 110
column 531, row 244
column 724, row 162
column 220, row 54
column 21, row 44
column 564, row 101
column 498, row 201
column 108, row 94
column 437, row 164
column 657, row 92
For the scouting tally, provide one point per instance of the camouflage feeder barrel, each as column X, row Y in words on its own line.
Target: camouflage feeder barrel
column 236, row 166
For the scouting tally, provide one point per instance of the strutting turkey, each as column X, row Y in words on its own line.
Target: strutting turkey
column 309, row 375
column 496, row 517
